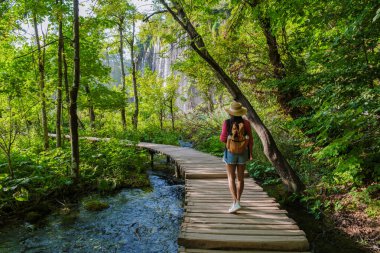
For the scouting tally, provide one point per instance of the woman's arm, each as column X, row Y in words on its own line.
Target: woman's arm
column 248, row 130
column 224, row 135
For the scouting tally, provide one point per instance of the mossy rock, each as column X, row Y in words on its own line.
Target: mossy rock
column 136, row 181
column 95, row 205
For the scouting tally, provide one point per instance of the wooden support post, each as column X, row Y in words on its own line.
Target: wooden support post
column 167, row 159
column 177, row 171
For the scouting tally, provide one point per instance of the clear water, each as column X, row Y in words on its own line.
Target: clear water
column 136, row 221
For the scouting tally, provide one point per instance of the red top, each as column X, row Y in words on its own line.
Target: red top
column 247, row 126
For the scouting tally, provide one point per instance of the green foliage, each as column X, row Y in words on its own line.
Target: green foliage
column 263, row 173
column 204, row 131
column 106, row 166
column 95, row 205
column 21, row 195
column 367, row 199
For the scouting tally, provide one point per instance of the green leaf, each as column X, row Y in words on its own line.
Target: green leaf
column 21, row 195
column 3, row 176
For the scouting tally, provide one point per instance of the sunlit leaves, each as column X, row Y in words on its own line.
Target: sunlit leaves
column 21, row 195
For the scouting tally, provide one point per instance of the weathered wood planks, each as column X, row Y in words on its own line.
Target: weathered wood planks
column 259, row 227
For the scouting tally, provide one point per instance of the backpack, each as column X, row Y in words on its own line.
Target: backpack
column 236, row 141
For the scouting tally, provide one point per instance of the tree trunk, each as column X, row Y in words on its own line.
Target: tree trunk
column 135, row 116
column 287, row 174
column 10, row 167
column 60, row 75
column 172, row 112
column 161, row 118
column 121, row 54
column 210, row 101
column 91, row 111
column 66, row 79
column 41, row 69
column 285, row 94
column 73, row 97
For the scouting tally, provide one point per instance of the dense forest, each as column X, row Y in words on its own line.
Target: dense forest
column 162, row 71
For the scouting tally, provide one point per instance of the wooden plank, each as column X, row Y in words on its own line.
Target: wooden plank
column 207, row 220
column 186, row 250
column 223, row 182
column 196, row 175
column 225, row 193
column 205, row 175
column 241, row 226
column 226, row 197
column 221, row 189
column 241, row 211
column 239, row 215
column 208, row 185
column 191, row 171
column 246, row 210
column 243, row 201
column 248, row 206
column 215, row 181
column 203, row 161
column 212, row 241
column 283, row 232
column 224, row 185
column 218, row 206
column 207, row 166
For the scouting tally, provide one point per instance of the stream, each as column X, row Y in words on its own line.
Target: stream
column 136, row 221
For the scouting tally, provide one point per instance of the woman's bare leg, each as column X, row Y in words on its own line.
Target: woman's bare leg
column 231, row 181
column 240, row 181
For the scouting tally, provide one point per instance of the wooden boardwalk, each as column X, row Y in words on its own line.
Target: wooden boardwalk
column 261, row 226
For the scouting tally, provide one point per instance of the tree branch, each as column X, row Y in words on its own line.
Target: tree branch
column 154, row 13
column 174, row 15
column 43, row 46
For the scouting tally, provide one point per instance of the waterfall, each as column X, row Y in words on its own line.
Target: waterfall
column 160, row 58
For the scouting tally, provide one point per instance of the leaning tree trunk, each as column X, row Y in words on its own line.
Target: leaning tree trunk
column 135, row 116
column 287, row 174
column 74, row 96
column 121, row 54
column 41, row 69
column 60, row 77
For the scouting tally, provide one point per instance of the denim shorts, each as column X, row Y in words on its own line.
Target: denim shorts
column 230, row 158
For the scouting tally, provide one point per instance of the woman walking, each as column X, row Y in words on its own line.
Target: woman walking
column 237, row 134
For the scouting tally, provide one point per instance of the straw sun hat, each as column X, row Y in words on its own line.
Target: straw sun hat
column 236, row 109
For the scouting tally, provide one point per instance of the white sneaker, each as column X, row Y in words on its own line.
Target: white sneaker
column 237, row 206
column 232, row 208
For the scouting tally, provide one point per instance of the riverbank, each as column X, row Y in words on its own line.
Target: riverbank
column 43, row 181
